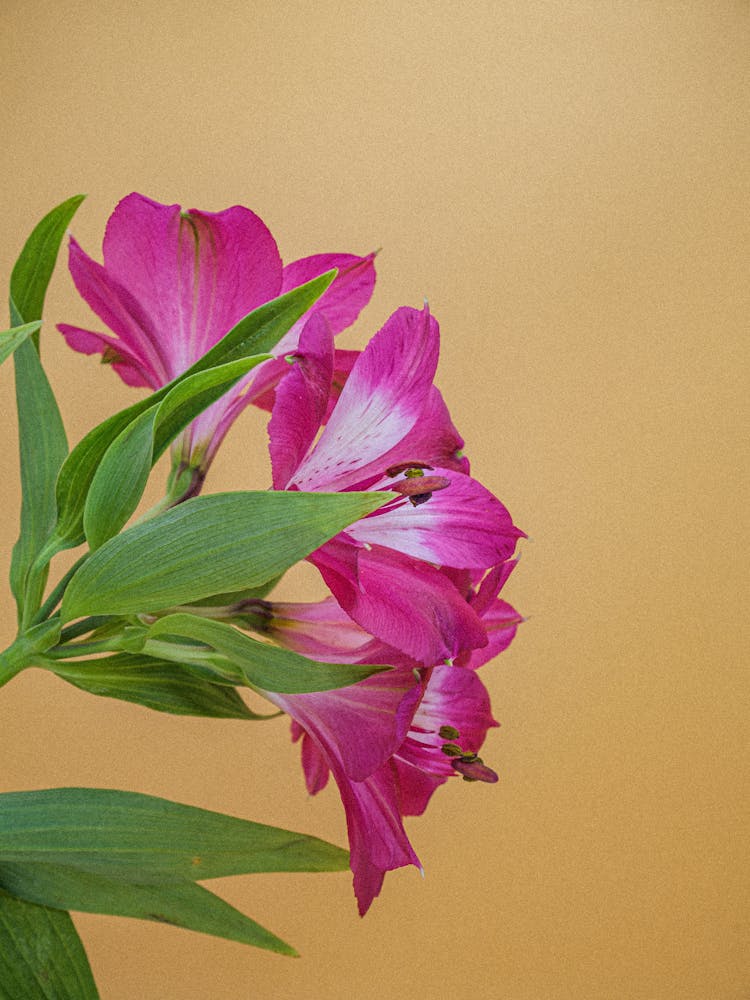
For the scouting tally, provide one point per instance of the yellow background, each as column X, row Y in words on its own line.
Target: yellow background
column 568, row 185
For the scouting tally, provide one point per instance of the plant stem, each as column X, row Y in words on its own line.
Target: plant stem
column 57, row 592
column 78, row 649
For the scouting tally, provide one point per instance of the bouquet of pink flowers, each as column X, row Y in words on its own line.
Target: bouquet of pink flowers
column 172, row 608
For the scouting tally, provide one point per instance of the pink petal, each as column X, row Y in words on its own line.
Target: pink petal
column 362, row 724
column 116, row 307
column 194, row 273
column 453, row 697
column 314, row 764
column 323, row 631
column 349, row 293
column 301, row 401
column 501, row 622
column 380, row 403
column 433, row 439
column 128, row 366
column 377, row 839
column 415, row 786
column 404, row 602
column 463, row 525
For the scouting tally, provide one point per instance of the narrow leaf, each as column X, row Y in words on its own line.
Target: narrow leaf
column 41, row 955
column 263, row 666
column 42, row 441
column 182, row 903
column 43, row 447
column 13, row 338
column 33, row 269
column 255, row 334
column 121, row 478
column 155, row 684
column 210, row 545
column 194, row 394
column 111, row 832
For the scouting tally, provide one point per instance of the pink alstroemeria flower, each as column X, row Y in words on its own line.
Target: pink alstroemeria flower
column 174, row 282
column 392, row 739
column 390, row 430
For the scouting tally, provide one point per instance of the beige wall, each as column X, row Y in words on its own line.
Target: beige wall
column 568, row 185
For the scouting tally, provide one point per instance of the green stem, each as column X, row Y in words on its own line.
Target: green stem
column 57, row 592
column 13, row 660
column 83, row 626
column 78, row 649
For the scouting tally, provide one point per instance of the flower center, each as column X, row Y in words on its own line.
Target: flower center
column 415, row 485
column 469, row 765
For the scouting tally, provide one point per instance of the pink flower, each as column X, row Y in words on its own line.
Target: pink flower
column 392, row 739
column 390, row 430
column 174, row 282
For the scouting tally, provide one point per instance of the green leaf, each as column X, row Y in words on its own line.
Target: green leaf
column 33, row 269
column 210, row 545
column 119, row 481
column 154, row 683
column 13, row 338
column 255, row 334
column 42, row 441
column 148, row 839
column 41, row 955
column 182, row 904
column 43, row 447
column 263, row 666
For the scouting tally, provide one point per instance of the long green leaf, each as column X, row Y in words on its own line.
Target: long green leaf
column 33, row 269
column 255, row 334
column 12, row 339
column 144, row 838
column 41, row 955
column 264, row 666
column 119, row 481
column 43, row 447
column 182, row 904
column 154, row 683
column 210, row 545
column 42, row 441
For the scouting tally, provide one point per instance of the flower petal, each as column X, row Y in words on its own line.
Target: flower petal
column 377, row 839
column 501, row 622
column 194, row 273
column 116, row 307
column 128, row 366
column 349, row 293
column 380, row 403
column 314, row 764
column 404, row 602
column 363, row 724
column 322, row 630
column 301, row 401
column 463, row 525
column 433, row 439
